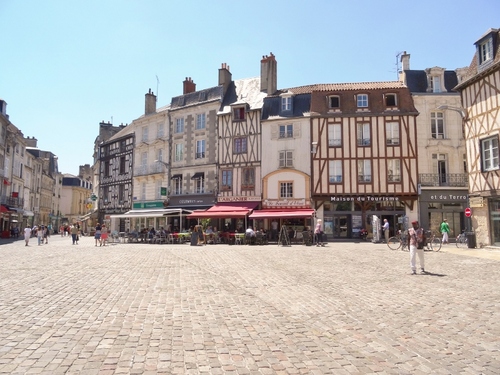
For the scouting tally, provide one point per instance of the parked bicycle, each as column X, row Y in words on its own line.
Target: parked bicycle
column 434, row 242
column 399, row 241
column 461, row 240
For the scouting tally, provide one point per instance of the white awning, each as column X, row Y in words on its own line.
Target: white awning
column 28, row 213
column 152, row 213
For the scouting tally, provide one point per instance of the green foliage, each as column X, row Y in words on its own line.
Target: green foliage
column 204, row 223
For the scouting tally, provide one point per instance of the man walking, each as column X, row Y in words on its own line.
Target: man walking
column 445, row 231
column 27, row 235
column 416, row 241
column 385, row 228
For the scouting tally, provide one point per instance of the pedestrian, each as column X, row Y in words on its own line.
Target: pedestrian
column 39, row 235
column 61, row 230
column 385, row 228
column 274, row 230
column 27, row 235
column 416, row 242
column 444, row 228
column 318, row 233
column 74, row 234
column 46, row 235
column 97, row 234
column 104, row 235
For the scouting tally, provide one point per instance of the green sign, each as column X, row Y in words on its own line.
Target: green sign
column 93, row 197
column 163, row 191
column 154, row 204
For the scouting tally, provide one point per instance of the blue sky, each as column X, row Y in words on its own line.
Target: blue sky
column 66, row 65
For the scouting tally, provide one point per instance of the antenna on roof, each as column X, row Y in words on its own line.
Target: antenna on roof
column 398, row 55
column 157, row 83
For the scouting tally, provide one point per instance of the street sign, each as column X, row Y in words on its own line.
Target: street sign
column 476, row 202
column 163, row 191
column 468, row 212
column 93, row 197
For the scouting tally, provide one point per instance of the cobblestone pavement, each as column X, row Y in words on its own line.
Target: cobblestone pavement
column 347, row 308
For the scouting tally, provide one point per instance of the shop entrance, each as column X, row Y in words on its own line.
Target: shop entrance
column 338, row 226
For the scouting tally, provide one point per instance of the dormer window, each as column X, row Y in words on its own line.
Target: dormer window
column 435, row 79
column 334, row 102
column 286, row 103
column 390, row 100
column 239, row 114
column 485, row 51
column 362, row 100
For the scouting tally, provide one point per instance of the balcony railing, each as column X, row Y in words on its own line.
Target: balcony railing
column 12, row 202
column 444, row 179
column 154, row 168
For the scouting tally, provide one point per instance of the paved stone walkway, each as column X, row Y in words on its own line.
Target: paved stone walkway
column 347, row 308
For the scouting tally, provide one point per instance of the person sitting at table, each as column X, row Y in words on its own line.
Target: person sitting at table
column 209, row 235
column 250, row 235
column 151, row 234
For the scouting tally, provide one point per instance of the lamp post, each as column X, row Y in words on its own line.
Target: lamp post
column 463, row 114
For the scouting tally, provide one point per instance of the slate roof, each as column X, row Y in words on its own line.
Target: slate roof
column 301, row 104
column 196, row 98
column 416, row 80
column 243, row 91
column 357, row 86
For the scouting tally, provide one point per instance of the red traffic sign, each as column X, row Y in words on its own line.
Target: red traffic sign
column 468, row 212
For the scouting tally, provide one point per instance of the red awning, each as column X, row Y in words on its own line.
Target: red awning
column 4, row 208
column 225, row 210
column 276, row 214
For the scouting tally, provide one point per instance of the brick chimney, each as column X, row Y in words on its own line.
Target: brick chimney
column 189, row 86
column 268, row 74
column 225, row 77
column 150, row 106
column 405, row 61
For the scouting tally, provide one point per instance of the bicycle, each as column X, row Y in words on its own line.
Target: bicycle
column 398, row 241
column 434, row 242
column 461, row 240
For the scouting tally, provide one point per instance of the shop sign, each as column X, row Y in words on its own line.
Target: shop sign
column 476, row 202
column 286, row 203
column 148, row 205
column 238, row 198
column 363, row 198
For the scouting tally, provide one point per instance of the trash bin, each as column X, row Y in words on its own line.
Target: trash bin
column 471, row 240
column 194, row 238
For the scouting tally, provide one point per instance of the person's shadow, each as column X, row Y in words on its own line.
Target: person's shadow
column 427, row 273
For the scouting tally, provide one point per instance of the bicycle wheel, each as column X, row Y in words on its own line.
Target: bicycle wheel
column 394, row 243
column 435, row 244
column 462, row 242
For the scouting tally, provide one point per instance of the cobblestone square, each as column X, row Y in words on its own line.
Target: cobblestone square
column 347, row 308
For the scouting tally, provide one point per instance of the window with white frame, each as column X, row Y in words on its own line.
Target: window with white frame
column 489, row 154
column 179, row 152
column 161, row 130
column 240, row 145
column 440, row 166
column 143, row 191
column 248, row 178
column 179, row 125
column 286, row 159
column 363, row 134
column 364, row 170
column 485, row 51
column 334, row 101
column 334, row 135
column 394, row 170
column 227, row 179
column 286, row 103
column 121, row 194
column 199, row 185
column 362, row 100
column 200, row 121
column 286, row 131
column 437, row 125
column 392, row 133
column 145, row 133
column 436, row 84
column 159, row 155
column 144, row 163
column 177, row 182
column 335, row 171
column 200, row 149
column 286, row 190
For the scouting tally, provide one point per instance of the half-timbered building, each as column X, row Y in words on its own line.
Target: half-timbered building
column 364, row 155
column 441, row 146
column 480, row 95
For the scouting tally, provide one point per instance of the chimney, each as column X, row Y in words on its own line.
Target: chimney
column 150, row 103
column 405, row 60
column 31, row 142
column 189, row 86
column 225, row 77
column 268, row 74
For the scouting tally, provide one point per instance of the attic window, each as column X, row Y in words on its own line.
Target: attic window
column 486, row 51
column 390, row 100
column 239, row 114
column 334, row 101
column 286, row 103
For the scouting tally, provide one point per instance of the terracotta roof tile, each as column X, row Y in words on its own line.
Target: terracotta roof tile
column 346, row 87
